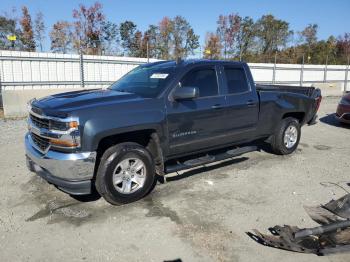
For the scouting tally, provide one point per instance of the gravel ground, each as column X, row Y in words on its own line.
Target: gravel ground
column 200, row 215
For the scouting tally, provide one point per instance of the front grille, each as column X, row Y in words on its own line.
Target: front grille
column 42, row 143
column 40, row 122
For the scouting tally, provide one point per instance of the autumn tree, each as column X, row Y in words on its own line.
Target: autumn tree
column 39, row 30
column 212, row 49
column 27, row 35
column 343, row 47
column 61, row 37
column 88, row 27
column 164, row 38
column 227, row 29
column 272, row 33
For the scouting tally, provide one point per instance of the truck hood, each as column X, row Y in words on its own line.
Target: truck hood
column 71, row 101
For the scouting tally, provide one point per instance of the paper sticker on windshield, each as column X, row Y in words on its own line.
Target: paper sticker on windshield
column 159, row 76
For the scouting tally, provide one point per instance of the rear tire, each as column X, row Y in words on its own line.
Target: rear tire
column 286, row 137
column 126, row 173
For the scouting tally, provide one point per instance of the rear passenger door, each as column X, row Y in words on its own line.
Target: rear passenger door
column 242, row 104
column 198, row 123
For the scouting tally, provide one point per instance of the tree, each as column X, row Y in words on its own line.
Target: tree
column 272, row 33
column 150, row 37
column 343, row 47
column 27, row 36
column 61, row 37
column 8, row 27
column 227, row 29
column 127, row 35
column 39, row 30
column 309, row 34
column 109, row 37
column 246, row 36
column 137, row 45
column 212, row 49
column 184, row 39
column 88, row 26
column 164, row 39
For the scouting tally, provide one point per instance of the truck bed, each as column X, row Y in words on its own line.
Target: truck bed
column 308, row 91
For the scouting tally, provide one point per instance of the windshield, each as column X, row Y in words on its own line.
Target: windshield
column 146, row 81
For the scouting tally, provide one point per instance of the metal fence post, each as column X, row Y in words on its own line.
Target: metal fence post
column 325, row 71
column 1, row 105
column 81, row 63
column 147, row 45
column 302, row 71
column 346, row 76
column 274, row 71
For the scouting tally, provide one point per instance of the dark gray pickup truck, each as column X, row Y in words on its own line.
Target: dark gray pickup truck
column 157, row 119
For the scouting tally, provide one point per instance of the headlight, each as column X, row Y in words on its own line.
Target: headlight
column 345, row 102
column 63, row 126
column 64, row 134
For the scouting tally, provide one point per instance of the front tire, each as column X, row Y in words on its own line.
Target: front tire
column 286, row 137
column 126, row 173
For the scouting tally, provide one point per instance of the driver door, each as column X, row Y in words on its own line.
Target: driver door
column 199, row 123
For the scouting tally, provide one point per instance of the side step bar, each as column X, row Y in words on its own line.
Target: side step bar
column 209, row 158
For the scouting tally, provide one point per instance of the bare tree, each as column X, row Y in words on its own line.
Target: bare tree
column 39, row 30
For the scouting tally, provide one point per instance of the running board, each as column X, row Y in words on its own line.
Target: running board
column 209, row 158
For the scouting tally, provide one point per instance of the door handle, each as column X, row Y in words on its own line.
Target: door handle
column 250, row 103
column 216, row 106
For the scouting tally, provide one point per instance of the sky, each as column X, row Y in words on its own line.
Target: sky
column 331, row 16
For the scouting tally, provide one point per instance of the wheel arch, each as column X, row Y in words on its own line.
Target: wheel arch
column 300, row 116
column 147, row 138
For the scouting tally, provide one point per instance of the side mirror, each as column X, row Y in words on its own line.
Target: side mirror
column 185, row 93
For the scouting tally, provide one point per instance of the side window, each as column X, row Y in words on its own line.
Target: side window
column 236, row 80
column 205, row 79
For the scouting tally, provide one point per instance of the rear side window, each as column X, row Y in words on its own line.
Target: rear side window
column 236, row 80
column 204, row 79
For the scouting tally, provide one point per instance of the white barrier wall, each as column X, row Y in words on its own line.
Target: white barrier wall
column 54, row 73
column 30, row 70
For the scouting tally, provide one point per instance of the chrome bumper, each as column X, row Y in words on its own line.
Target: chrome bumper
column 62, row 167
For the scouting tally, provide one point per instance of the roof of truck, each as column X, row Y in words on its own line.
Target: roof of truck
column 187, row 62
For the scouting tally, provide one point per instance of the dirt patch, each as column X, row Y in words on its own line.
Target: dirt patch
column 1, row 113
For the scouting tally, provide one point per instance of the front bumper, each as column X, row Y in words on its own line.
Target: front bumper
column 70, row 172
